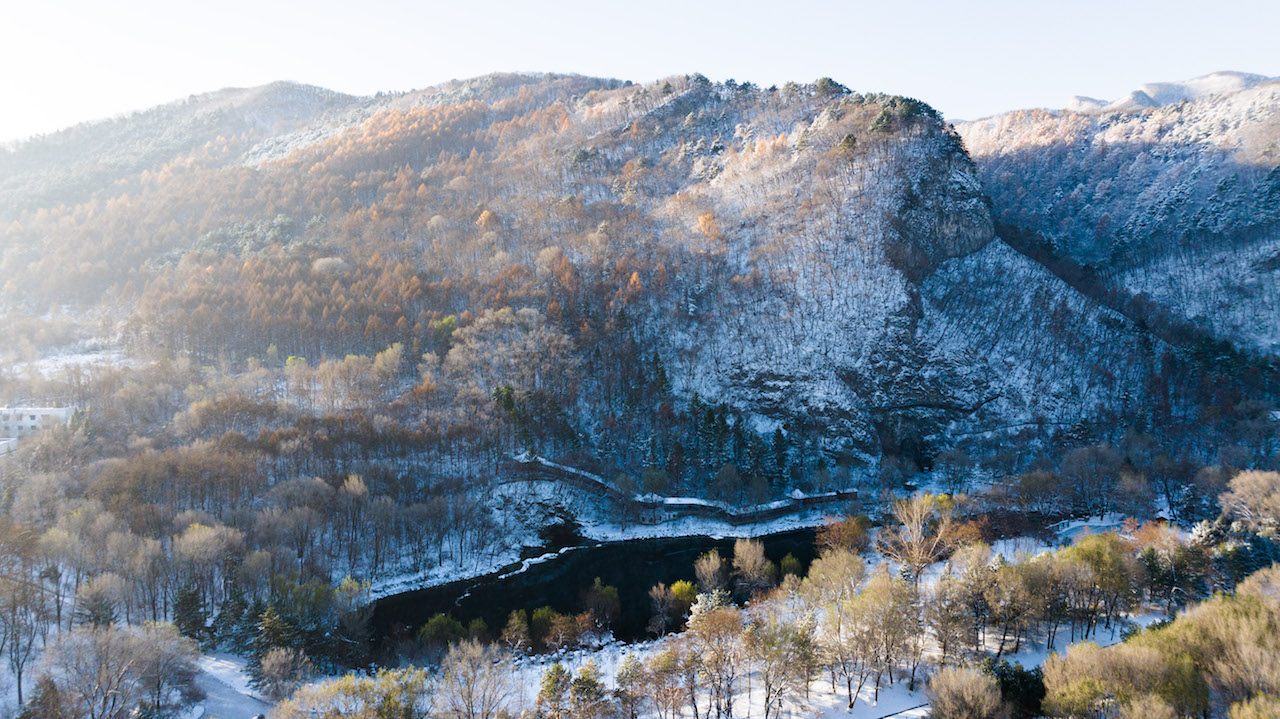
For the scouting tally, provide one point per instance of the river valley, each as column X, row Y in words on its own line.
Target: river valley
column 632, row 566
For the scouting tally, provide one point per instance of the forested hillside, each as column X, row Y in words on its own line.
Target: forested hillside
column 306, row 335
column 1173, row 208
column 322, row 348
column 645, row 244
column 812, row 271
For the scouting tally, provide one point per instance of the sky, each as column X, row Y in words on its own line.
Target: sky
column 68, row 61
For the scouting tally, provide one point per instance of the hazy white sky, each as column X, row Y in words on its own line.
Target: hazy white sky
column 67, row 61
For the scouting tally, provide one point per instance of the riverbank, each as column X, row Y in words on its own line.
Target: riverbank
column 595, row 524
column 559, row 580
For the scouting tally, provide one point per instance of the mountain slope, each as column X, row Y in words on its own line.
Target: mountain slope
column 1159, row 94
column 798, row 283
column 1155, row 199
column 230, row 126
column 68, row 166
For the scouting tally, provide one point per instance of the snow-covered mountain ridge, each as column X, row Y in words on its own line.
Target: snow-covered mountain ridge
column 1155, row 197
column 820, row 265
column 232, row 126
column 1159, row 94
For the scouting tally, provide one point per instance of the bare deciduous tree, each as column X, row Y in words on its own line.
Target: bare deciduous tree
column 1253, row 497
column 710, row 571
column 752, row 570
column 927, row 529
column 965, row 693
column 476, row 681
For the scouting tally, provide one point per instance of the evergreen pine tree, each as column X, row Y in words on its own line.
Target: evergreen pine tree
column 188, row 614
column 710, row 450
column 758, row 457
column 273, row 632
column 553, row 692
column 230, row 617
column 676, row 464
column 649, row 450
column 632, row 686
column 45, row 702
column 96, row 610
column 739, row 441
column 696, row 408
column 723, row 439
column 246, row 630
column 587, row 693
column 780, row 463
column 661, row 382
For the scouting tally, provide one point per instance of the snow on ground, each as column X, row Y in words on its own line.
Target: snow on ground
column 88, row 356
column 540, row 559
column 9, row 691
column 520, row 530
column 1071, row 530
column 513, row 502
column 824, row 701
column 736, row 510
column 608, row 657
column 228, row 669
column 226, row 686
column 223, row 702
column 894, row 701
column 1159, row 94
column 700, row 527
column 596, row 530
column 1227, row 288
column 451, row 570
column 1035, row 654
column 1015, row 547
column 1041, row 342
column 221, row 677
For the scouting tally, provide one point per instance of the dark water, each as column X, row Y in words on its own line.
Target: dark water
column 632, row 566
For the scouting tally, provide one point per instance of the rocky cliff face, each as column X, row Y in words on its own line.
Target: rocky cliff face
column 824, row 234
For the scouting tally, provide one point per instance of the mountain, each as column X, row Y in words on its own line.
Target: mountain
column 1080, row 103
column 248, row 126
column 804, row 283
column 1159, row 94
column 1172, row 205
column 68, row 166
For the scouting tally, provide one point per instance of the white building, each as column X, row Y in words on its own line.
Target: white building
column 19, row 422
